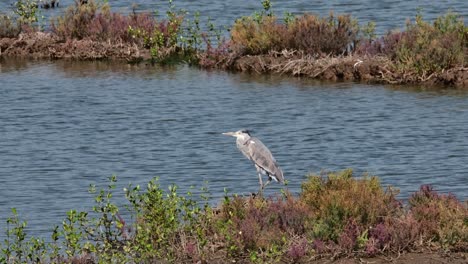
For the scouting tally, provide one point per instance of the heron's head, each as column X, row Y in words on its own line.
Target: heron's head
column 239, row 134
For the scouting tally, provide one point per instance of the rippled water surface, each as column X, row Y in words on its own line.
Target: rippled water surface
column 65, row 125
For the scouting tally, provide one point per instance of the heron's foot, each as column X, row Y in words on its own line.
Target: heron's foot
column 260, row 192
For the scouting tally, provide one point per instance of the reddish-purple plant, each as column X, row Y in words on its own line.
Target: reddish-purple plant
column 298, row 249
column 191, row 249
column 405, row 232
column 319, row 246
column 371, row 247
column 442, row 217
column 348, row 238
column 214, row 57
column 249, row 231
column 290, row 214
column 99, row 23
column 380, row 235
column 332, row 35
column 385, row 45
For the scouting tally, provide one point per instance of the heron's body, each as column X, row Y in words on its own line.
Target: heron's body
column 259, row 154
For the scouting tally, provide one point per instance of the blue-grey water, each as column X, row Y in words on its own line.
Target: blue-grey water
column 65, row 125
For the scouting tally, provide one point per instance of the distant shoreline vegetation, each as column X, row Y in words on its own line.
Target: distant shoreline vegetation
column 334, row 47
column 335, row 216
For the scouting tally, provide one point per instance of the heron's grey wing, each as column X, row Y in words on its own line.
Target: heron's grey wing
column 262, row 156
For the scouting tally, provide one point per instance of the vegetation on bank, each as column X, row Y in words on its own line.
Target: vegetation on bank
column 337, row 45
column 336, row 215
column 330, row 47
column 161, row 39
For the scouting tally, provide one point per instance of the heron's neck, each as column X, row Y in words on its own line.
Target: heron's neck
column 242, row 139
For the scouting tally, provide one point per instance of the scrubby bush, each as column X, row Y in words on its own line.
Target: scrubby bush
column 332, row 35
column 382, row 46
column 335, row 215
column 24, row 17
column 443, row 218
column 250, row 36
column 9, row 27
column 427, row 48
column 424, row 48
column 96, row 22
column 338, row 198
column 213, row 56
column 265, row 227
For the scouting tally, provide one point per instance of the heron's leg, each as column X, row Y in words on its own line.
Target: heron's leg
column 259, row 172
column 260, row 179
column 268, row 182
column 260, row 190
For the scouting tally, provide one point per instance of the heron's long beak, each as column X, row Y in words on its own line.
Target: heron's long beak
column 229, row 134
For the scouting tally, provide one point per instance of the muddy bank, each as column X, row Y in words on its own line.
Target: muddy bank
column 410, row 258
column 375, row 69
column 39, row 45
column 369, row 69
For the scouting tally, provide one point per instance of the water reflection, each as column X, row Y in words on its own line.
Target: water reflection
column 94, row 69
column 433, row 90
column 16, row 64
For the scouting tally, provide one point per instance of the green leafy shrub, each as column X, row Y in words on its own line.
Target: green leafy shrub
column 424, row 48
column 26, row 11
column 427, row 48
column 250, row 36
column 157, row 223
column 338, row 198
column 25, row 15
column 17, row 249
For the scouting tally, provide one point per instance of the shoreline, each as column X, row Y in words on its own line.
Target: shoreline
column 333, row 48
column 347, row 68
column 40, row 45
column 357, row 68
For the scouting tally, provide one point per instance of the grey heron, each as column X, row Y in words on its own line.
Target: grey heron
column 259, row 154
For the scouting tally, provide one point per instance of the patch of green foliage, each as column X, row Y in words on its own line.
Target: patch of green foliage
column 335, row 214
column 25, row 16
column 27, row 11
column 424, row 48
column 427, row 48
